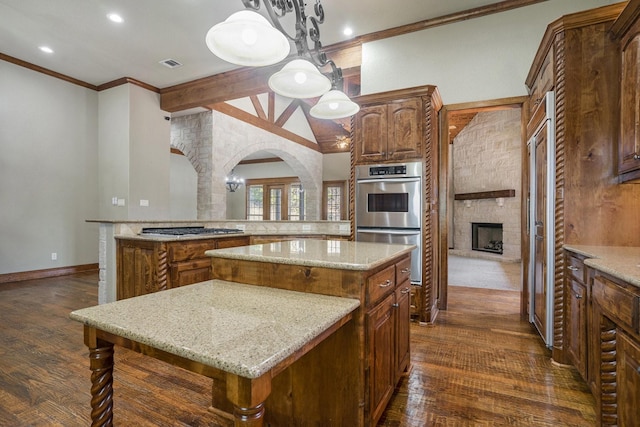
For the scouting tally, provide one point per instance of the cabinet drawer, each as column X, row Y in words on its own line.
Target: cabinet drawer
column 232, row 242
column 617, row 302
column 183, row 251
column 575, row 268
column 381, row 284
column 403, row 270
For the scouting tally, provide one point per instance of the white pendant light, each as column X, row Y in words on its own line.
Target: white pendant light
column 334, row 105
column 299, row 79
column 247, row 38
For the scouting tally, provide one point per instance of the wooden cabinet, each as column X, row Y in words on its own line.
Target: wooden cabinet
column 628, row 373
column 389, row 131
column 146, row 266
column 387, row 332
column 627, row 31
column 576, row 313
column 380, row 336
column 375, row 349
column 616, row 309
column 542, row 82
column 402, row 125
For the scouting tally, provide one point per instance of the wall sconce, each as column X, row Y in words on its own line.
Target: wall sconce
column 233, row 182
column 500, row 201
column 467, row 203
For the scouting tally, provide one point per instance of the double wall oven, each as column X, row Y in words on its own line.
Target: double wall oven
column 388, row 207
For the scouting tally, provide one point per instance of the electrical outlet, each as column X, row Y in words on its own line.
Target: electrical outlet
column 306, row 227
column 114, row 201
column 54, row 256
column 121, row 202
column 144, row 202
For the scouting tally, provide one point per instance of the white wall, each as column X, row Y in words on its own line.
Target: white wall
column 48, row 171
column 474, row 60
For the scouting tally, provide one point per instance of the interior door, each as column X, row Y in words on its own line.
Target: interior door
column 539, row 235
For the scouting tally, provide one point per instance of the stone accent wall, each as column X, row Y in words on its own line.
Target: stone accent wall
column 215, row 143
column 486, row 156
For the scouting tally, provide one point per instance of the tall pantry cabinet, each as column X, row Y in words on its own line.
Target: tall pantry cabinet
column 583, row 61
column 397, row 126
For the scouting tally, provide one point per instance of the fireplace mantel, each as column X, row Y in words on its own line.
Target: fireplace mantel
column 486, row 195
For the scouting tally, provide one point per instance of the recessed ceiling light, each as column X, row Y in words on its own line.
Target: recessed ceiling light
column 46, row 49
column 115, row 18
column 347, row 31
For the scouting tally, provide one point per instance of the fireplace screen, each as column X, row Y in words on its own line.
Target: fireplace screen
column 486, row 237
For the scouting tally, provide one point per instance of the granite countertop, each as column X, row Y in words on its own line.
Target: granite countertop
column 339, row 254
column 618, row 261
column 175, row 238
column 243, row 329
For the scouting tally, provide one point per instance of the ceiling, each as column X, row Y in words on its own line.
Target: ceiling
column 90, row 48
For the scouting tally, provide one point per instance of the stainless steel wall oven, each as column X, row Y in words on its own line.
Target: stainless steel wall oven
column 388, row 207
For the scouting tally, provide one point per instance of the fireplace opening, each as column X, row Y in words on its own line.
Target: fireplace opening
column 486, row 237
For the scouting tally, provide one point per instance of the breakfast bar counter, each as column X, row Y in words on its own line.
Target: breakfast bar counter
column 245, row 334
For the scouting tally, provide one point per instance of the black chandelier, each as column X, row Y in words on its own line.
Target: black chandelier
column 247, row 38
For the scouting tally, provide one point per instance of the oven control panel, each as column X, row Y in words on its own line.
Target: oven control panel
column 398, row 170
column 388, row 170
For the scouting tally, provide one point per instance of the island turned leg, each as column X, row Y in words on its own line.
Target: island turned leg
column 248, row 396
column 101, row 365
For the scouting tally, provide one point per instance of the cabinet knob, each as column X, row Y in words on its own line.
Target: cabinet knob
column 578, row 296
column 395, row 305
column 636, row 157
column 405, row 270
column 386, row 284
column 405, row 291
column 573, row 268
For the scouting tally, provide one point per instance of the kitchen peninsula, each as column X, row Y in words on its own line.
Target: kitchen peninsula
column 373, row 349
column 151, row 267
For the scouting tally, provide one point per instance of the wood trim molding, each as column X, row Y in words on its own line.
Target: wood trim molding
column 49, row 272
column 258, row 106
column 464, row 15
column 176, row 151
column 46, row 71
column 125, row 80
column 263, row 124
column 265, row 160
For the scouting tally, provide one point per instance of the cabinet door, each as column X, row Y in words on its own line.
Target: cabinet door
column 371, row 134
column 137, row 270
column 628, row 376
column 405, row 129
column 629, row 144
column 380, row 335
column 577, row 325
column 402, row 320
column 189, row 272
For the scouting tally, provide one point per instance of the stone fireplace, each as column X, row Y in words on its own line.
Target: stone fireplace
column 486, row 237
column 485, row 171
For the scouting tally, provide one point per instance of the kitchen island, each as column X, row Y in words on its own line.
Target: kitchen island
column 247, row 335
column 373, row 349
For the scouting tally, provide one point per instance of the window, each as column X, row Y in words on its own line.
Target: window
column 255, row 203
column 275, row 199
column 334, row 206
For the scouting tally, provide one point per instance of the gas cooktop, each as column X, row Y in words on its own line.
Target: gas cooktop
column 182, row 231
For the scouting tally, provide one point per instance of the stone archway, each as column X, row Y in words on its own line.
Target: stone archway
column 215, row 143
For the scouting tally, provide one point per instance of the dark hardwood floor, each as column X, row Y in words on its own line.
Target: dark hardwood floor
column 479, row 366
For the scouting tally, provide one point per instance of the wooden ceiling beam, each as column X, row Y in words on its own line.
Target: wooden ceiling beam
column 263, row 124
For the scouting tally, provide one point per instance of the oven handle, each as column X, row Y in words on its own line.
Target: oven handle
column 378, row 180
column 387, row 231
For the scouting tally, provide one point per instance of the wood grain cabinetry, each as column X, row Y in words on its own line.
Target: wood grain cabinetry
column 627, row 31
column 389, row 131
column 617, row 325
column 576, row 313
column 376, row 349
column 402, row 125
column 542, row 82
column 146, row 266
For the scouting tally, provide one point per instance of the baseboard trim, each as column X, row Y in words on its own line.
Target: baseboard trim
column 49, row 272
